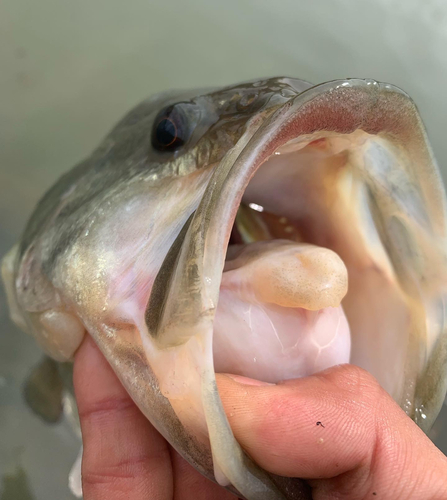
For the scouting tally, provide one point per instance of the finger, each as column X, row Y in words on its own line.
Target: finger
column 189, row 484
column 124, row 456
column 336, row 424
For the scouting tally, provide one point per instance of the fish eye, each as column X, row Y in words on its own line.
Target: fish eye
column 171, row 129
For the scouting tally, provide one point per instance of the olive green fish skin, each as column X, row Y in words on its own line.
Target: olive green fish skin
column 44, row 389
column 15, row 486
column 126, row 155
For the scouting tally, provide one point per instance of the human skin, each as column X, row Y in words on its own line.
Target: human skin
column 338, row 429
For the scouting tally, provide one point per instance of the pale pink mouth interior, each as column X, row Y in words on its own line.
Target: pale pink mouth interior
column 279, row 313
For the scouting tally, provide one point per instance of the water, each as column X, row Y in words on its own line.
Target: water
column 69, row 70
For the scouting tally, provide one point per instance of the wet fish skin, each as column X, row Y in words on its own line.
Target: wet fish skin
column 43, row 391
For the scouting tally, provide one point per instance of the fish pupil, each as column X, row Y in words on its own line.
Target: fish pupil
column 169, row 130
column 166, row 132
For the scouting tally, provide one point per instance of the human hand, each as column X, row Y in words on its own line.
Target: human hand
column 124, row 457
column 338, row 429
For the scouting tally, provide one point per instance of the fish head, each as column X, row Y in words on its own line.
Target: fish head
column 270, row 229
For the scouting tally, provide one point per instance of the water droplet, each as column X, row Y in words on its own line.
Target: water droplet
column 256, row 207
column 421, row 412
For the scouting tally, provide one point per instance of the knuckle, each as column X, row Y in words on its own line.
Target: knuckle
column 97, row 410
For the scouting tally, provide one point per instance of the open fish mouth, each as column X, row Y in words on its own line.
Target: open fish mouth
column 342, row 165
column 270, row 230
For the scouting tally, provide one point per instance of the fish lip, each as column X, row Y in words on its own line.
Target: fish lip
column 274, row 132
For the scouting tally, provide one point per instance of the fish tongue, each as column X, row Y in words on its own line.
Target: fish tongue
column 287, row 274
column 279, row 314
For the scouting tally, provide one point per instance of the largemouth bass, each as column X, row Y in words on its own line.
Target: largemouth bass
column 269, row 229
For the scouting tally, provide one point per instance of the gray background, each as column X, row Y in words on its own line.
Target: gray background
column 70, row 69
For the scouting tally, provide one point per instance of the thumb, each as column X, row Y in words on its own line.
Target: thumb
column 340, row 430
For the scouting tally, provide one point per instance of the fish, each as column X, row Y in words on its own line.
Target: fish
column 269, row 229
column 15, row 486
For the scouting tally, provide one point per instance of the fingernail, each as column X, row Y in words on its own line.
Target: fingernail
column 247, row 381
